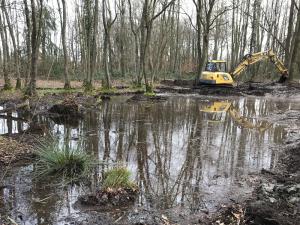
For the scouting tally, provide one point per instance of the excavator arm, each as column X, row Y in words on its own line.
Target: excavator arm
column 256, row 57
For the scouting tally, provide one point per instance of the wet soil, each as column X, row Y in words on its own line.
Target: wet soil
column 247, row 89
column 12, row 151
column 144, row 98
column 277, row 198
column 110, row 199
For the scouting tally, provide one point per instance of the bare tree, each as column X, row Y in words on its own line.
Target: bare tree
column 35, row 43
column 108, row 22
column 15, row 47
column 63, row 19
column 5, row 55
column 295, row 53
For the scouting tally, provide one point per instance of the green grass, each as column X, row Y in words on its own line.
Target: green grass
column 116, row 178
column 45, row 91
column 149, row 94
column 108, row 91
column 71, row 164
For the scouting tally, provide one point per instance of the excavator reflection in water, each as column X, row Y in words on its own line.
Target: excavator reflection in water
column 224, row 106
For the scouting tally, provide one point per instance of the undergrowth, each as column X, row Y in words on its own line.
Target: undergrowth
column 108, row 91
column 149, row 94
column 116, row 178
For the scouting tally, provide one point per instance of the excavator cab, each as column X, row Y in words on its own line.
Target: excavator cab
column 215, row 73
column 216, row 66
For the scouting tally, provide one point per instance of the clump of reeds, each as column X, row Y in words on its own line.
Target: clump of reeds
column 69, row 163
column 116, row 178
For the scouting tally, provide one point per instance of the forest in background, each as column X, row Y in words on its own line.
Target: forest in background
column 140, row 40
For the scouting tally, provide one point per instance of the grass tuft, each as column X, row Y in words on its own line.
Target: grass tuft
column 116, row 178
column 149, row 94
column 72, row 164
column 108, row 91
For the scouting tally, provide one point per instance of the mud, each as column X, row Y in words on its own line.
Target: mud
column 247, row 89
column 110, row 199
column 277, row 198
column 68, row 107
column 12, row 151
column 144, row 98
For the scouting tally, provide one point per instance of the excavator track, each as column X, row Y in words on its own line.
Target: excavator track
column 199, row 86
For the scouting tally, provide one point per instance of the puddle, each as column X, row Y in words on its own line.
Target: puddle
column 186, row 152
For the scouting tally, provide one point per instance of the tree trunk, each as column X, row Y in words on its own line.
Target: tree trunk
column 64, row 44
column 93, row 57
column 295, row 57
column 28, row 45
column 13, row 39
column 31, row 89
column 122, row 38
column 7, row 83
column 289, row 33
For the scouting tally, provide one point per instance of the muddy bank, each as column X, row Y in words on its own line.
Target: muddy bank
column 246, row 89
column 12, row 151
column 277, row 198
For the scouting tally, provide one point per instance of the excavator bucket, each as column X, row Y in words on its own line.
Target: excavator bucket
column 283, row 78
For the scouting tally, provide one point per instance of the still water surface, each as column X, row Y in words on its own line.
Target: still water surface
column 187, row 151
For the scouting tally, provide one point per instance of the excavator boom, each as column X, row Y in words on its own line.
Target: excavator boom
column 256, row 57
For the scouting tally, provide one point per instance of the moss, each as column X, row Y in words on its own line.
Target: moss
column 88, row 86
column 107, row 91
column 18, row 84
column 7, row 86
column 45, row 91
column 149, row 94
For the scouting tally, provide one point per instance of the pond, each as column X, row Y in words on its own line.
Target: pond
column 192, row 153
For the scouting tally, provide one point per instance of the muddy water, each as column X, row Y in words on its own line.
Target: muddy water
column 186, row 152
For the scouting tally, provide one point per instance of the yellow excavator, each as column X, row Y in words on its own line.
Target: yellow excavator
column 224, row 106
column 215, row 70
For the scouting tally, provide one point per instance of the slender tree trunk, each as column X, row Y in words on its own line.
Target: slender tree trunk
column 31, row 89
column 289, row 33
column 295, row 57
column 7, row 83
column 122, row 38
column 94, row 44
column 13, row 39
column 64, row 44
column 28, row 45
column 107, row 23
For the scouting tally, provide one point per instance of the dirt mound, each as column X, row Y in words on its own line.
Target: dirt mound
column 110, row 198
column 68, row 107
column 277, row 199
column 145, row 98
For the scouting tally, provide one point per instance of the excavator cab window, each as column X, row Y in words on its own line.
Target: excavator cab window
column 216, row 67
column 222, row 67
column 211, row 67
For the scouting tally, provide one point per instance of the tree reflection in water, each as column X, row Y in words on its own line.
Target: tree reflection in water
column 179, row 154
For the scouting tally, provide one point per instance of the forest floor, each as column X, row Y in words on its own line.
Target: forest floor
column 275, row 200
